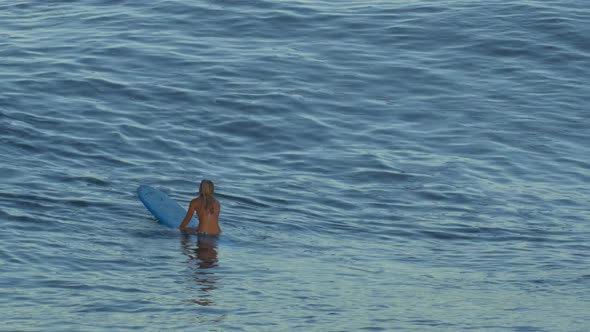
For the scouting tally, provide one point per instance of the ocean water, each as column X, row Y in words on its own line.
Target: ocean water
column 382, row 165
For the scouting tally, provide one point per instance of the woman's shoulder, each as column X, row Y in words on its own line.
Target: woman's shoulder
column 216, row 203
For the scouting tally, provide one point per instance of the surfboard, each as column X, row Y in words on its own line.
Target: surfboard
column 166, row 210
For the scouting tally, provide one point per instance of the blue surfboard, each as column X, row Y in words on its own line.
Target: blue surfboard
column 165, row 209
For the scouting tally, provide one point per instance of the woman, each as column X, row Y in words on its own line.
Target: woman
column 207, row 208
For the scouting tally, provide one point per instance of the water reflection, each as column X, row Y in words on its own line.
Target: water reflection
column 204, row 258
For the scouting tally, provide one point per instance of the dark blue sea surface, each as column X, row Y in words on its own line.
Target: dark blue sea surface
column 382, row 165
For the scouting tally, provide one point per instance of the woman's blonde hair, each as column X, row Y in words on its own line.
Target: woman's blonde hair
column 206, row 190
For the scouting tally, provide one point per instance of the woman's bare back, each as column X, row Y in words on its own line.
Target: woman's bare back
column 208, row 218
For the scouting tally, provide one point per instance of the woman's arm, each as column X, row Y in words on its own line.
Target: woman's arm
column 189, row 215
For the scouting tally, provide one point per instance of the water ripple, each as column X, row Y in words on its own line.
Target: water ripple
column 374, row 160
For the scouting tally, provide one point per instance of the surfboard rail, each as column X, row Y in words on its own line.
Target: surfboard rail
column 166, row 210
